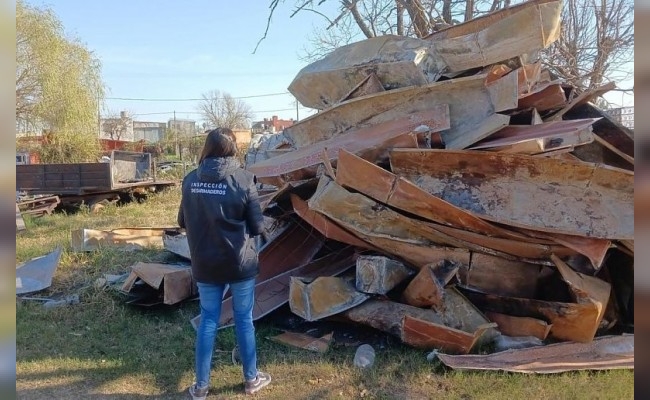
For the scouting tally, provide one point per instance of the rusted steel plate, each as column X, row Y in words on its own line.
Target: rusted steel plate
column 520, row 326
column 429, row 335
column 274, row 292
column 379, row 274
column 469, row 101
column 388, row 316
column 504, row 93
column 593, row 248
column 545, row 194
column 314, row 299
column 583, row 98
column 576, row 321
column 527, row 75
column 369, row 85
column 373, row 223
column 608, row 129
column 173, row 282
column 607, row 352
column 586, row 289
column 397, row 192
column 304, row 341
column 503, row 277
column 324, row 225
column 123, row 238
column 499, row 36
column 397, row 61
column 548, row 97
column 425, row 290
column 532, row 139
column 355, row 173
column 370, row 142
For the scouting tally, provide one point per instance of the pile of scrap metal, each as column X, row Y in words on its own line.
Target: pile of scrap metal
column 474, row 194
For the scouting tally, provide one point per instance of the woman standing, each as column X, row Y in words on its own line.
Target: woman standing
column 221, row 214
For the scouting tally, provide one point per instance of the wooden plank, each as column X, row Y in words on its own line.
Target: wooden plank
column 370, row 142
column 469, row 106
column 520, row 326
column 545, row 194
column 20, row 223
column 498, row 36
column 607, row 352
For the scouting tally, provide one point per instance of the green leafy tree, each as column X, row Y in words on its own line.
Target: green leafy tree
column 58, row 87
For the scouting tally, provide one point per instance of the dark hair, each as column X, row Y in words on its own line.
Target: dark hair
column 220, row 142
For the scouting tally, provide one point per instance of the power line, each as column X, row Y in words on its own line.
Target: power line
column 197, row 112
column 217, row 98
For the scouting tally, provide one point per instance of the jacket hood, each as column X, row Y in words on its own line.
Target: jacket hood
column 217, row 168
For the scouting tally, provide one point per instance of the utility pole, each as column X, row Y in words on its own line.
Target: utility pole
column 297, row 117
column 99, row 119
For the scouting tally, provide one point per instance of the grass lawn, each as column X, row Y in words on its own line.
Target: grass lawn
column 105, row 349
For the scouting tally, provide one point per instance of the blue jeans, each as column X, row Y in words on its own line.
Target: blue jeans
column 210, row 298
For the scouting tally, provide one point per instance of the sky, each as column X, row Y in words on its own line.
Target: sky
column 166, row 49
column 159, row 50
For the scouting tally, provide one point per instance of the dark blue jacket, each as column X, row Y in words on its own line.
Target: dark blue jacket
column 221, row 214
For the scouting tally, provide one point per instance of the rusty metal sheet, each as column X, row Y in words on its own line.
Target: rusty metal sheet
column 369, row 85
column 379, row 274
column 274, row 292
column 176, row 242
column 532, row 139
column 619, row 138
column 571, row 321
column 583, row 98
column 304, row 341
column 504, row 94
column 425, row 290
column 548, row 97
column 607, row 352
column 36, row 274
column 324, row 225
column 593, row 248
column 544, row 194
column 397, row 61
column 370, row 142
column 314, row 299
column 586, row 289
column 528, row 75
column 127, row 239
column 382, row 185
column 429, row 335
column 503, row 277
column 173, row 283
column 373, row 223
column 470, row 105
column 457, row 313
column 498, row 36
column 520, row 326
